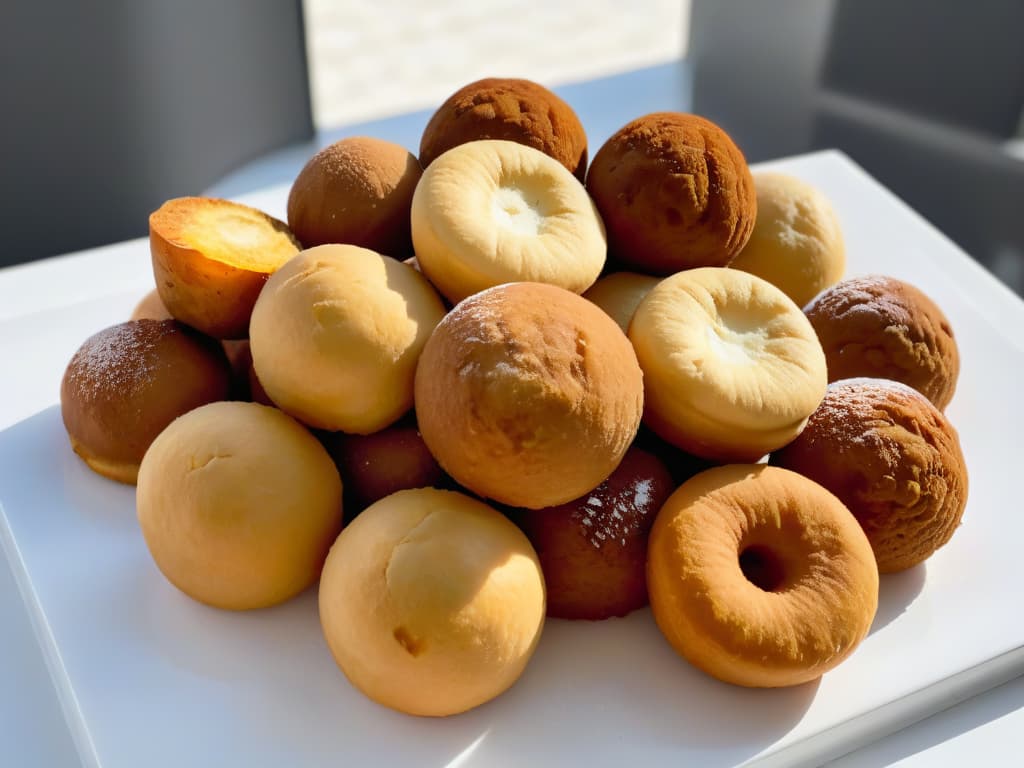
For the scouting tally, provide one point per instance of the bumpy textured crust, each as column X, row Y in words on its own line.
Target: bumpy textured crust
column 881, row 327
column 493, row 212
column 431, row 602
column 211, row 259
column 796, row 244
column 238, row 504
column 737, row 522
column 336, row 335
column 511, row 109
column 619, row 294
column 674, row 192
column 732, row 369
column 594, row 549
column 893, row 459
column 127, row 382
column 359, row 191
column 528, row 394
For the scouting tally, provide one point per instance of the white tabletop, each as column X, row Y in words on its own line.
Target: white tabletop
column 32, row 728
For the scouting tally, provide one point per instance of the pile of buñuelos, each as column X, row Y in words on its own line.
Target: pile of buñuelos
column 536, row 389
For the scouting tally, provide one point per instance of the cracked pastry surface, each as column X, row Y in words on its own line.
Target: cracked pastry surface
column 431, row 602
column 238, row 504
column 881, row 327
column 335, row 336
column 893, row 458
column 528, row 394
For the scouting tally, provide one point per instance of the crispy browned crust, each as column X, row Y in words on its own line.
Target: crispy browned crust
column 511, row 109
column 674, row 192
column 357, row 191
column 528, row 394
column 893, row 459
column 885, row 328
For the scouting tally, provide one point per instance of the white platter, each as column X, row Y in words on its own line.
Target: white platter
column 148, row 678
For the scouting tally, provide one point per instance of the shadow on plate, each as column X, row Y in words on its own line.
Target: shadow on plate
column 896, row 591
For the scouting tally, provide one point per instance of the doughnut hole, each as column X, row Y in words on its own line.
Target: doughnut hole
column 762, row 567
column 796, row 244
column 528, row 394
column 128, row 382
column 211, row 259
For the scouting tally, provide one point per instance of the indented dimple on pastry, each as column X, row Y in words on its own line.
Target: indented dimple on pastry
column 732, row 368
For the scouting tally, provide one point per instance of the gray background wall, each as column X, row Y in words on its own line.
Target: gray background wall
column 109, row 107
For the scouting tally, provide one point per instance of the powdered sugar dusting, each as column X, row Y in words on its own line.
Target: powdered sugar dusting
column 854, row 411
column 117, row 359
column 876, row 295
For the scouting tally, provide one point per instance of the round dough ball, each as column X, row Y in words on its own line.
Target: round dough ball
column 881, row 327
column 528, row 394
column 680, row 464
column 511, row 109
column 127, row 382
column 593, row 550
column 619, row 294
column 732, row 369
column 336, row 334
column 239, row 505
column 796, row 244
column 377, row 465
column 151, row 307
column 674, row 192
column 893, row 459
column 759, row 576
column 358, row 191
column 492, row 212
column 431, row 602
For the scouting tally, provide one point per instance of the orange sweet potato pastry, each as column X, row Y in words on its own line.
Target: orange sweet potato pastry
column 211, row 258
